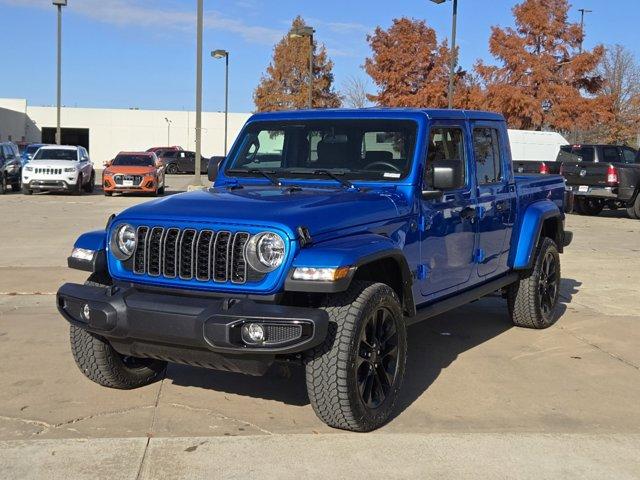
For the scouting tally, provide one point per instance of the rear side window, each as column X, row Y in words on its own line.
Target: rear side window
column 610, row 154
column 447, row 144
column 628, row 155
column 487, row 151
column 585, row 153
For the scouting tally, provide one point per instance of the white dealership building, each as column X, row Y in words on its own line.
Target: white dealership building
column 107, row 131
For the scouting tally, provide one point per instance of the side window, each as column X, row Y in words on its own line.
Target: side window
column 628, row 155
column 610, row 154
column 487, row 152
column 447, row 144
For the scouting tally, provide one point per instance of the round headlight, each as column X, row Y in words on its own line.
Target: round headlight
column 123, row 241
column 265, row 252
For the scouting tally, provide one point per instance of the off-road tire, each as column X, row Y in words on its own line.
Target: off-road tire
column 100, row 363
column 90, row 186
column 331, row 373
column 634, row 210
column 26, row 190
column 590, row 207
column 524, row 297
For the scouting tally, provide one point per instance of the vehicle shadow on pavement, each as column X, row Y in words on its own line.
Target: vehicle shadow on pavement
column 282, row 385
column 433, row 345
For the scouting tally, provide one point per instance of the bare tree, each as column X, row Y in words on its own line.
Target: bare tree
column 621, row 74
column 354, row 92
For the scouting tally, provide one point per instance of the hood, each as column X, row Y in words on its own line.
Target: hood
column 52, row 163
column 319, row 209
column 113, row 170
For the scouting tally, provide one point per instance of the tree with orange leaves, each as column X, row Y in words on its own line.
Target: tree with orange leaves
column 541, row 66
column 286, row 83
column 409, row 66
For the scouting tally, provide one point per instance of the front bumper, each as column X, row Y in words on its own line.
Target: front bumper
column 148, row 184
column 196, row 330
column 62, row 185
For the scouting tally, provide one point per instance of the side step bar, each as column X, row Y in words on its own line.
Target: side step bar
column 459, row 299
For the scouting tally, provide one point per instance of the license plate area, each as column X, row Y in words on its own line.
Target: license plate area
column 583, row 189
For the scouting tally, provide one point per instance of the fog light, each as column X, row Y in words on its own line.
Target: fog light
column 86, row 312
column 253, row 333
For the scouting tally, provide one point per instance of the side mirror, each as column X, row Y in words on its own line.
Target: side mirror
column 107, row 163
column 442, row 175
column 212, row 168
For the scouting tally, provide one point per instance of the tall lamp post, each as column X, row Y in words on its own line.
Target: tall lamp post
column 452, row 66
column 59, row 4
column 224, row 54
column 300, row 32
column 582, row 12
column 197, row 181
column 169, row 122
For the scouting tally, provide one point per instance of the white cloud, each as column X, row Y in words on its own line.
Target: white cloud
column 124, row 13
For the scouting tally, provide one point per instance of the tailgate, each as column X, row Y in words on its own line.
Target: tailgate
column 593, row 174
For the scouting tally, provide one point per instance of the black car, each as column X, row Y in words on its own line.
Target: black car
column 182, row 161
column 10, row 167
column 603, row 175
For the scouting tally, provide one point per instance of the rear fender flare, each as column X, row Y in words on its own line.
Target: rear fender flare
column 529, row 232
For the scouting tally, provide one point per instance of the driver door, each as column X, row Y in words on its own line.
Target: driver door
column 448, row 232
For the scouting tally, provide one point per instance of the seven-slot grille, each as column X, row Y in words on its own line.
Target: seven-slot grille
column 205, row 255
column 48, row 171
column 136, row 179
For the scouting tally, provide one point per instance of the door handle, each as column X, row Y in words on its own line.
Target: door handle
column 468, row 213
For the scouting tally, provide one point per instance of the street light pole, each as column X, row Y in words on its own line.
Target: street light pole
column 59, row 4
column 197, row 181
column 168, row 131
column 306, row 31
column 582, row 12
column 454, row 60
column 224, row 54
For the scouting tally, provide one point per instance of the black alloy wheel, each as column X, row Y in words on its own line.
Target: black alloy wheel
column 377, row 361
column 549, row 283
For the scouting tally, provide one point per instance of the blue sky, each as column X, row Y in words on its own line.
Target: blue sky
column 141, row 53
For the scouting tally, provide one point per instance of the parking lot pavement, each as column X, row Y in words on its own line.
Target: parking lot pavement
column 481, row 398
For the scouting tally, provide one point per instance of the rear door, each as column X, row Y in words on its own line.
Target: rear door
column 496, row 195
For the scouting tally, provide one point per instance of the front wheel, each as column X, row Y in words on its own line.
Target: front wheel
column 354, row 377
column 533, row 300
column 3, row 184
column 90, row 186
column 100, row 363
column 172, row 169
column 26, row 190
column 77, row 189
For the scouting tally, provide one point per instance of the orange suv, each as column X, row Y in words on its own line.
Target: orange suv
column 133, row 172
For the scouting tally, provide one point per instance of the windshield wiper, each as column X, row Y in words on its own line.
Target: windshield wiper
column 343, row 181
column 258, row 171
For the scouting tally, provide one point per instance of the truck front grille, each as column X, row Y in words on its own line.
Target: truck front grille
column 187, row 254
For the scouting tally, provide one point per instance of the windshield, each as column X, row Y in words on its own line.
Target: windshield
column 56, row 154
column 355, row 149
column 31, row 149
column 133, row 161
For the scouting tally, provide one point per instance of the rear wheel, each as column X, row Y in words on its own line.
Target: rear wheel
column 354, row 377
column 590, row 206
column 533, row 300
column 100, row 363
column 634, row 210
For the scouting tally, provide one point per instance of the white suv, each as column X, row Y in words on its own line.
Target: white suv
column 59, row 167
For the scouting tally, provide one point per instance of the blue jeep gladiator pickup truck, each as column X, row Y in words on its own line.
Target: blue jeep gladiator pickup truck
column 324, row 235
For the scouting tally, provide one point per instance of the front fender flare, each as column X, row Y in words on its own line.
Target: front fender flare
column 96, row 241
column 354, row 251
column 529, row 231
